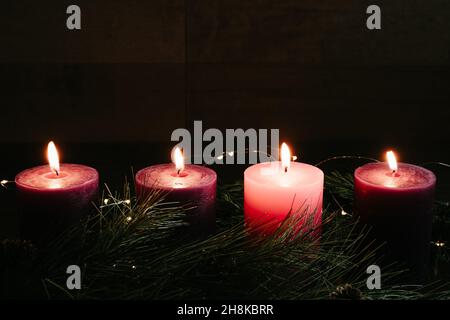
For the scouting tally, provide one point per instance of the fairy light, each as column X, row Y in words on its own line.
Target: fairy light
column 439, row 244
column 106, row 202
column 343, row 212
column 229, row 153
column 128, row 219
column 4, row 183
column 232, row 154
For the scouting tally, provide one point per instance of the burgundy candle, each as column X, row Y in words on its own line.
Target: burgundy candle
column 191, row 185
column 396, row 201
column 51, row 198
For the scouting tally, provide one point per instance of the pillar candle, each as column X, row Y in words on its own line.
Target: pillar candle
column 51, row 198
column 274, row 189
column 190, row 185
column 396, row 201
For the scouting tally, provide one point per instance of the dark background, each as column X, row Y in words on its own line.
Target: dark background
column 111, row 94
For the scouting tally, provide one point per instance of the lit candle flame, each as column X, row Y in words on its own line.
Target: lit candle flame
column 392, row 161
column 285, row 157
column 179, row 160
column 53, row 158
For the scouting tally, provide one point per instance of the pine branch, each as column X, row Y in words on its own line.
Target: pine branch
column 142, row 251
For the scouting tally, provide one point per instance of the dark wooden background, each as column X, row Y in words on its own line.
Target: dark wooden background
column 310, row 68
column 140, row 69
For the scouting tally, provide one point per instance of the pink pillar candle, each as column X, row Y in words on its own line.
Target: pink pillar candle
column 194, row 186
column 397, row 205
column 271, row 192
column 50, row 202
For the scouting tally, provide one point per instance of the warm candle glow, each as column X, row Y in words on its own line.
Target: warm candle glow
column 178, row 160
column 392, row 161
column 53, row 158
column 285, row 157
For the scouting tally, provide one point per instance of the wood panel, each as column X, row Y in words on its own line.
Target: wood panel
column 324, row 103
column 91, row 102
column 312, row 69
column 119, row 78
column 319, row 32
column 113, row 31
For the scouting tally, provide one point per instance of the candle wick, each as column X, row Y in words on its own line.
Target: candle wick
column 178, row 172
column 285, row 169
column 57, row 173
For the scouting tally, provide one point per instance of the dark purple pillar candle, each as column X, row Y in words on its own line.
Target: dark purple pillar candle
column 194, row 186
column 49, row 203
column 398, row 207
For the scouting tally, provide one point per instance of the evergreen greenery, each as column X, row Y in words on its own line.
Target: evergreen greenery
column 145, row 251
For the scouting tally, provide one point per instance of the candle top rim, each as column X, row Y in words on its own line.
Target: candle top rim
column 299, row 168
column 91, row 175
column 427, row 177
column 159, row 176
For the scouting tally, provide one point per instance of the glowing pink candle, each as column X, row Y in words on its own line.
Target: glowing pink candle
column 191, row 185
column 396, row 201
column 273, row 189
column 53, row 197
